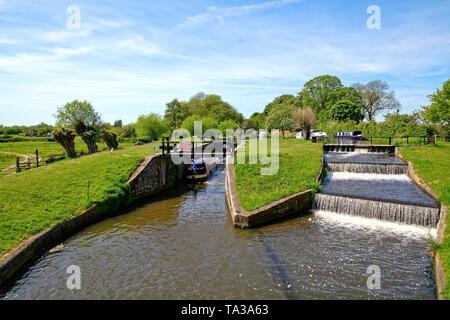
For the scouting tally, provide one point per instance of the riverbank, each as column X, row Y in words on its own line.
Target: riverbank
column 35, row 200
column 432, row 163
column 300, row 163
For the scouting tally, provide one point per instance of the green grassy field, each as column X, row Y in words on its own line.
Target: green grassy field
column 432, row 163
column 299, row 166
column 9, row 150
column 39, row 198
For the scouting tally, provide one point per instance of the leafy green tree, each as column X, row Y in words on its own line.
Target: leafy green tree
column 345, row 110
column 173, row 114
column 128, row 132
column 280, row 119
column 81, row 116
column 346, row 93
column 197, row 105
column 118, row 124
column 150, row 127
column 320, row 92
column 375, row 97
column 188, row 123
column 284, row 101
column 207, row 123
column 227, row 124
column 258, row 120
column 438, row 112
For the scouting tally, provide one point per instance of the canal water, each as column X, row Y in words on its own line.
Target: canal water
column 185, row 247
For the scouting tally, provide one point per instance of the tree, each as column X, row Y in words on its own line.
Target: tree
column 346, row 93
column 258, row 120
column 304, row 119
column 110, row 139
column 227, row 124
column 283, row 101
column 345, row 110
column 66, row 138
column 173, row 114
column 128, row 132
column 320, row 92
column 207, row 123
column 150, row 127
column 280, row 119
column 81, row 116
column 438, row 112
column 118, row 124
column 78, row 115
column 375, row 97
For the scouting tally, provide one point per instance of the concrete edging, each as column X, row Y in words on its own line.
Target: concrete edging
column 442, row 225
column 20, row 257
column 282, row 208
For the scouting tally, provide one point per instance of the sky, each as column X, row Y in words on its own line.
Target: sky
column 132, row 57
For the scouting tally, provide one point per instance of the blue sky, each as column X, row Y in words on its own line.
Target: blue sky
column 131, row 57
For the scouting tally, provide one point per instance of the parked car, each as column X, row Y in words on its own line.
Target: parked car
column 318, row 134
column 349, row 136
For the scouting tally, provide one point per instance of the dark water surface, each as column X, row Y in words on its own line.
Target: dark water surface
column 186, row 248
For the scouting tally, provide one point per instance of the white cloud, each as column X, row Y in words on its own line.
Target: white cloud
column 220, row 13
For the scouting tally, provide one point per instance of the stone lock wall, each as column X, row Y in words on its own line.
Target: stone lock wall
column 155, row 174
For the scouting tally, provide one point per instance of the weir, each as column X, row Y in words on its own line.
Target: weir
column 368, row 168
column 386, row 211
column 374, row 185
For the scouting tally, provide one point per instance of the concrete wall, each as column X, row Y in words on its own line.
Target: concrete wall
column 441, row 227
column 155, row 174
column 288, row 206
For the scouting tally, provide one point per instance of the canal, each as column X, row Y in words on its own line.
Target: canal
column 184, row 247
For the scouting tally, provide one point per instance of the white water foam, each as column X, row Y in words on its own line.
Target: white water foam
column 350, row 221
column 367, row 176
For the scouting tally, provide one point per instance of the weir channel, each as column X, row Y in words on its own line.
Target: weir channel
column 374, row 185
column 184, row 246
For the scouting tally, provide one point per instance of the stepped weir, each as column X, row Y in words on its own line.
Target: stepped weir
column 374, row 185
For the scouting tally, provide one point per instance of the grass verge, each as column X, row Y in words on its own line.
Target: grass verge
column 35, row 200
column 299, row 166
column 432, row 164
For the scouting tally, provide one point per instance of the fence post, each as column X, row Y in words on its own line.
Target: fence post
column 407, row 140
column 163, row 145
column 390, row 140
column 88, row 191
column 37, row 158
column 17, row 165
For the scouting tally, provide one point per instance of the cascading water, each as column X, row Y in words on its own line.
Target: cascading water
column 387, row 211
column 374, row 186
column 368, row 168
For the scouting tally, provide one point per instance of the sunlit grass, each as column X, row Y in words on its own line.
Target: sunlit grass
column 299, row 166
column 37, row 199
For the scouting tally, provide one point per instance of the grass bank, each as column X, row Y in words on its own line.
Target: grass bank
column 299, row 166
column 432, row 164
column 35, row 200
column 9, row 150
